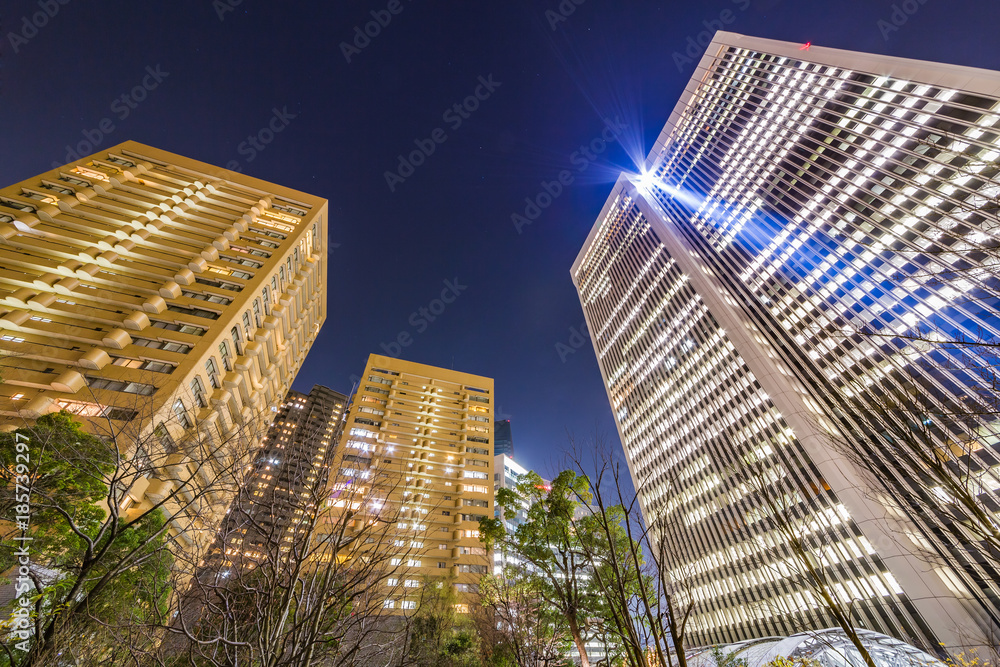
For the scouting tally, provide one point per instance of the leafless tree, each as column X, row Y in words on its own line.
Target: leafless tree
column 303, row 577
column 931, row 460
column 514, row 622
column 804, row 534
column 649, row 602
column 111, row 507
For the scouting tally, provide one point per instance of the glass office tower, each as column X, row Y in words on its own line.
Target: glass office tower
column 504, row 443
column 811, row 236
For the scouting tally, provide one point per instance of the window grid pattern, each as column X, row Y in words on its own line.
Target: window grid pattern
column 692, row 412
column 859, row 212
column 288, row 475
column 428, row 432
column 100, row 260
column 114, row 289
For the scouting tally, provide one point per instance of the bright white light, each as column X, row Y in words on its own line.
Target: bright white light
column 647, row 180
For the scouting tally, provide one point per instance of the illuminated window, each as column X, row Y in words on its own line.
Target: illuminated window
column 198, row 391
column 213, row 373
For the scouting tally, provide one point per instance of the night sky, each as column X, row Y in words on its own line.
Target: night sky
column 549, row 81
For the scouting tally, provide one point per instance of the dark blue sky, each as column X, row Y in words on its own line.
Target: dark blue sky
column 554, row 85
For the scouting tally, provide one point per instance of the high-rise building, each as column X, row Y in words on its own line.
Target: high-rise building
column 507, row 473
column 428, row 433
column 804, row 215
column 289, row 478
column 504, row 443
column 162, row 294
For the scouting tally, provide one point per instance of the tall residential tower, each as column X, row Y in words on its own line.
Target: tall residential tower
column 751, row 294
column 289, row 478
column 161, row 296
column 427, row 432
column 504, row 439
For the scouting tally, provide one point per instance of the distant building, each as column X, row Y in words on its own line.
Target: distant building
column 428, row 433
column 506, row 474
column 503, row 443
column 289, row 479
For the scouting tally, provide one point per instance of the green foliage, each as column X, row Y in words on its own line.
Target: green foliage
column 110, row 570
column 782, row 661
column 616, row 563
column 440, row 636
column 550, row 511
column 727, row 659
column 68, row 468
column 144, row 585
column 555, row 543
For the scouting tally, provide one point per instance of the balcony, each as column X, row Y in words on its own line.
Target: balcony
column 232, row 380
column 220, row 396
column 159, row 489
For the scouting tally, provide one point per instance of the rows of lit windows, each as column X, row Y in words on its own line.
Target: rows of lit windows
column 659, row 409
column 425, row 432
column 795, row 603
column 881, row 245
column 722, row 229
column 765, row 397
column 142, row 259
column 292, row 458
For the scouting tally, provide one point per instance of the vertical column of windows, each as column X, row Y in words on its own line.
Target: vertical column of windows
column 846, row 235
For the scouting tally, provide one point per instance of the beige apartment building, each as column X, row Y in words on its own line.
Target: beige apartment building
column 155, row 295
column 428, row 433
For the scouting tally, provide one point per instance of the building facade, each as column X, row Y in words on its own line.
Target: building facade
column 805, row 217
column 425, row 435
column 289, row 479
column 507, row 473
column 504, row 439
column 160, row 296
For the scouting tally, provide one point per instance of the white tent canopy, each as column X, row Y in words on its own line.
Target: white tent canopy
column 830, row 647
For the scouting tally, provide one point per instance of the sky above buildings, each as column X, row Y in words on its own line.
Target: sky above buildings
column 438, row 132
